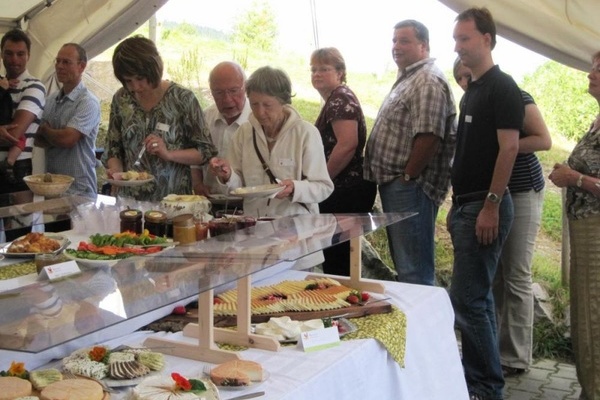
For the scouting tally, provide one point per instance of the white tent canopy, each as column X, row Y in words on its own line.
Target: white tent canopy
column 95, row 24
column 563, row 30
column 566, row 31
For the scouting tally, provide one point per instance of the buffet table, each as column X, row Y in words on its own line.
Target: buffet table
column 43, row 320
column 356, row 368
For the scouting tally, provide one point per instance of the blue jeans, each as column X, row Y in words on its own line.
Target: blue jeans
column 411, row 241
column 471, row 295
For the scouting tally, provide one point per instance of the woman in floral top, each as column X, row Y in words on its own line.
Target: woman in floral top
column 581, row 177
column 344, row 133
column 159, row 115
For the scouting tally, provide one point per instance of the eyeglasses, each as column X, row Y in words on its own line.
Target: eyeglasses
column 64, row 61
column 231, row 92
column 321, row 70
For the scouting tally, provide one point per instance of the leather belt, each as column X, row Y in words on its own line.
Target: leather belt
column 463, row 199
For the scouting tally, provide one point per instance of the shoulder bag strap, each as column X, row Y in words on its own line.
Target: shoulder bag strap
column 262, row 160
column 265, row 166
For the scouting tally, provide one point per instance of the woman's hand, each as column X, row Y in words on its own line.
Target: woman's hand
column 155, row 145
column 113, row 165
column 288, row 191
column 221, row 168
column 562, row 175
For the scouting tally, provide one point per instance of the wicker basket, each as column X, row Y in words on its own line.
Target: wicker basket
column 58, row 185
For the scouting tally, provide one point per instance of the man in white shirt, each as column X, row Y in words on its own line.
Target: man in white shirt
column 231, row 109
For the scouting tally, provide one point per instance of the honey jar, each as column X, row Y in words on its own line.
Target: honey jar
column 184, row 229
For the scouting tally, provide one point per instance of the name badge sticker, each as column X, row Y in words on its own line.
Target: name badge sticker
column 162, row 127
column 468, row 118
column 285, row 162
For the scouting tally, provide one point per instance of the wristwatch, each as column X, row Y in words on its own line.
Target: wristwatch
column 494, row 198
column 408, row 178
column 580, row 180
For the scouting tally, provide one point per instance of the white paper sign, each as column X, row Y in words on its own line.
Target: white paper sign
column 60, row 270
column 320, row 339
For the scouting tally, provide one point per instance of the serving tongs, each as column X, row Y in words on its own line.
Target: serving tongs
column 62, row 248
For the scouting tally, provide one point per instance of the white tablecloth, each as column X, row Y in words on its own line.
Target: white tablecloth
column 357, row 368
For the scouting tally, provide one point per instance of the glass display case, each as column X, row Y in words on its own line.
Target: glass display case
column 41, row 314
column 19, row 214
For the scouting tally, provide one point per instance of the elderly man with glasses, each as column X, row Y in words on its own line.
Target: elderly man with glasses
column 231, row 109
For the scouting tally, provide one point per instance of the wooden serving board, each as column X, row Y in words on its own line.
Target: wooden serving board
column 378, row 307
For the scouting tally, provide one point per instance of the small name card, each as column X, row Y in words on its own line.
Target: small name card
column 320, row 339
column 60, row 270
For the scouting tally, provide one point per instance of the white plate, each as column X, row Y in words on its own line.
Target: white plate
column 252, row 385
column 257, row 191
column 346, row 327
column 4, row 250
column 129, row 183
column 223, row 198
column 93, row 262
column 86, row 261
column 115, row 383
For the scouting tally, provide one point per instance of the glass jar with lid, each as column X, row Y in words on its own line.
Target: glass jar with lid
column 184, row 229
column 156, row 222
column 131, row 220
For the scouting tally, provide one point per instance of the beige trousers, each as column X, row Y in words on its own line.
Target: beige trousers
column 585, row 303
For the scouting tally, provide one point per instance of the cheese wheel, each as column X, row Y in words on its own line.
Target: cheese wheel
column 236, row 373
column 73, row 389
column 163, row 388
column 12, row 387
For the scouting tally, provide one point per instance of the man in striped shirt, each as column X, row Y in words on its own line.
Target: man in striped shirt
column 70, row 124
column 28, row 103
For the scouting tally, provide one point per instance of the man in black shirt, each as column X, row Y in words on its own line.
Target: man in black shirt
column 491, row 115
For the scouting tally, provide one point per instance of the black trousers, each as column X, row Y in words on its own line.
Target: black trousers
column 356, row 199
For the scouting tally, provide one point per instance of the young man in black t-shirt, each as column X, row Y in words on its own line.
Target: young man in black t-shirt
column 491, row 115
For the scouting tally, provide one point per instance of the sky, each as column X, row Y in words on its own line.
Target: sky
column 361, row 30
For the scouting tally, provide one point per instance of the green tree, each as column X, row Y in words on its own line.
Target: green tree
column 256, row 28
column 561, row 95
column 188, row 70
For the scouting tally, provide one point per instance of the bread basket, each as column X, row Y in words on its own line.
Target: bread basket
column 48, row 185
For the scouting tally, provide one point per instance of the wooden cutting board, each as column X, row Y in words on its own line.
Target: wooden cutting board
column 376, row 307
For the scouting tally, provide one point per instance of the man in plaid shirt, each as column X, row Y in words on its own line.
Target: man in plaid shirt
column 409, row 152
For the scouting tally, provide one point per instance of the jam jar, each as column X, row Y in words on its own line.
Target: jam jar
column 131, row 220
column 184, row 229
column 156, row 223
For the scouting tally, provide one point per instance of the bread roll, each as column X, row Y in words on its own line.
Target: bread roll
column 12, row 387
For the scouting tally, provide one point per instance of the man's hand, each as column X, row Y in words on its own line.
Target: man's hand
column 486, row 226
column 221, row 168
